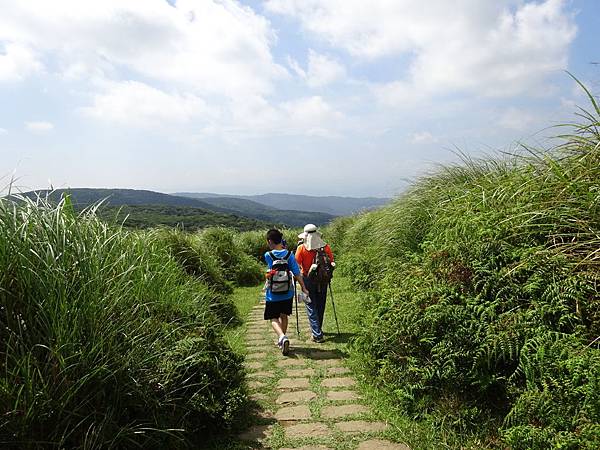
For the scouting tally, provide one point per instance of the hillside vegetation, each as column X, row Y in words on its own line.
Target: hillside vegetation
column 482, row 304
column 113, row 338
column 148, row 208
column 185, row 217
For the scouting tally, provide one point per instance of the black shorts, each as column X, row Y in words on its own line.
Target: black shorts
column 274, row 309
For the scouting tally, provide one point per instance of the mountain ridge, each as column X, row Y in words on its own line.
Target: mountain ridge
column 115, row 197
column 331, row 204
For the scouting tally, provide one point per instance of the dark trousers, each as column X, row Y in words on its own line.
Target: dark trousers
column 316, row 308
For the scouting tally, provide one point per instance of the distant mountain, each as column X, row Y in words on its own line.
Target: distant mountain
column 119, row 197
column 270, row 214
column 334, row 205
column 244, row 208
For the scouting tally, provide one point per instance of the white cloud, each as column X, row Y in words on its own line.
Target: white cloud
column 322, row 69
column 257, row 118
column 135, row 103
column 312, row 116
column 424, row 137
column 211, row 47
column 39, row 127
column 3, row 131
column 17, row 62
column 499, row 48
column 517, row 119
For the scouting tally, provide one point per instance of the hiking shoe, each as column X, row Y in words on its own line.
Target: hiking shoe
column 318, row 340
column 285, row 346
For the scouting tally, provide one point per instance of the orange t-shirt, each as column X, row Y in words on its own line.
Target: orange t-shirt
column 306, row 258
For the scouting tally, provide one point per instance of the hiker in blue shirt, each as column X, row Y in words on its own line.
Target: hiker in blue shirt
column 283, row 269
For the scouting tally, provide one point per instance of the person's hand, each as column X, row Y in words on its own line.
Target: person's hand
column 305, row 291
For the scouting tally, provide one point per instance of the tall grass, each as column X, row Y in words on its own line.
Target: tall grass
column 235, row 264
column 106, row 341
column 483, row 307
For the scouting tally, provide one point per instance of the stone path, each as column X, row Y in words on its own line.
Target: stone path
column 307, row 400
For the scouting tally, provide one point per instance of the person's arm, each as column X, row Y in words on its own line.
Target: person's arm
column 298, row 256
column 297, row 273
column 300, row 280
column 329, row 252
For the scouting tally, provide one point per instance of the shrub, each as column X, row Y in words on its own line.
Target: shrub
column 196, row 259
column 106, row 342
column 235, row 265
column 483, row 309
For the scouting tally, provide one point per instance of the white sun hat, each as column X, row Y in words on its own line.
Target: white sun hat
column 312, row 238
column 309, row 228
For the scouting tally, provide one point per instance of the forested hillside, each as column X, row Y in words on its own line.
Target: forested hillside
column 149, row 208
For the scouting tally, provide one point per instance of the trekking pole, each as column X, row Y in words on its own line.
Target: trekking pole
column 334, row 313
column 296, row 297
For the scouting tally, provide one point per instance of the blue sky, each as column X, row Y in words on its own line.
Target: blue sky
column 322, row 97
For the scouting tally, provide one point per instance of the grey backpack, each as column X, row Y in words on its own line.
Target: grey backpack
column 281, row 280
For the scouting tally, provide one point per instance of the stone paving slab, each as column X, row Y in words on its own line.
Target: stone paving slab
column 256, row 433
column 336, row 412
column 295, row 397
column 254, row 384
column 361, row 426
column 324, row 354
column 253, row 365
column 260, row 375
column 302, row 430
column 293, row 413
column 338, row 382
column 379, row 444
column 290, row 362
column 328, row 362
column 260, row 349
column 292, row 373
column 257, row 397
column 342, row 396
column 309, row 447
column 255, row 356
column 293, row 383
column 337, row 371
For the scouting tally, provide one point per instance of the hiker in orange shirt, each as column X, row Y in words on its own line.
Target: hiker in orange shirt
column 315, row 258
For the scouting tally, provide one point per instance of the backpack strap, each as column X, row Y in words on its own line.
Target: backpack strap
column 317, row 252
column 275, row 258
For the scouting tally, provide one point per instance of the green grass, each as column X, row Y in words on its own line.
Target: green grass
column 244, row 298
column 480, row 296
column 106, row 341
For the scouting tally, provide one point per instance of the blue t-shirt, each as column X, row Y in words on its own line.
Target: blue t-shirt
column 292, row 264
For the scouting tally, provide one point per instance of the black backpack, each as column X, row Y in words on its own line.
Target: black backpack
column 324, row 273
column 281, row 281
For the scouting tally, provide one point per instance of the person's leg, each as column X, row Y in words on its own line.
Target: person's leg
column 283, row 320
column 276, row 324
column 321, row 301
column 312, row 310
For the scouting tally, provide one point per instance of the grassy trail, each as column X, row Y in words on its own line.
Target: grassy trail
column 316, row 398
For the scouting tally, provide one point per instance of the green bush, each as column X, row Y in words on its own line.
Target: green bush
column 483, row 294
column 196, row 259
column 236, row 265
column 106, row 342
